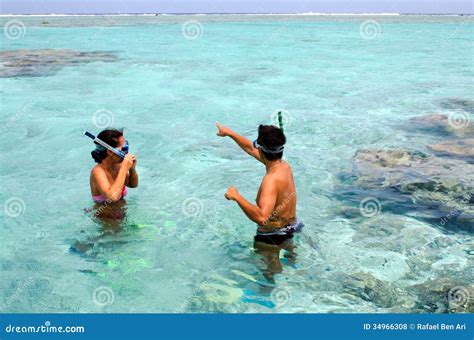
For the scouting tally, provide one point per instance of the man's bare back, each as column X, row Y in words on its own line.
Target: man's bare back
column 280, row 176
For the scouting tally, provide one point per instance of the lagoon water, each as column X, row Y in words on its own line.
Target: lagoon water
column 344, row 83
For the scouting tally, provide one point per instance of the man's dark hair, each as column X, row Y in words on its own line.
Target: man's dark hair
column 109, row 136
column 271, row 137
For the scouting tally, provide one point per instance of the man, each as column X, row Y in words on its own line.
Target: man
column 275, row 208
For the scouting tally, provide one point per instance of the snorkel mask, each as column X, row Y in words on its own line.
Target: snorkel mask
column 102, row 146
column 266, row 149
column 125, row 147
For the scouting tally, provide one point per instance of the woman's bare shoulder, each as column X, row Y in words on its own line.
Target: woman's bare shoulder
column 97, row 170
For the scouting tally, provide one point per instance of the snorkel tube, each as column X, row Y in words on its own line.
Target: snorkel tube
column 280, row 121
column 104, row 144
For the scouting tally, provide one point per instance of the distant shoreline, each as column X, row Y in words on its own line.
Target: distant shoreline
column 227, row 14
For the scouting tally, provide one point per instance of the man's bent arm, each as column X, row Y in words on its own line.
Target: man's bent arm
column 252, row 211
column 261, row 212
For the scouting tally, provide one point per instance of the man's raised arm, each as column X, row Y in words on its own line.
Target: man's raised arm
column 244, row 143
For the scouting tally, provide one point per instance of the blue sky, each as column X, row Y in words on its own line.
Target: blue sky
column 228, row 6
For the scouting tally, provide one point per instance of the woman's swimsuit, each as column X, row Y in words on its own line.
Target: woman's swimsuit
column 276, row 236
column 102, row 199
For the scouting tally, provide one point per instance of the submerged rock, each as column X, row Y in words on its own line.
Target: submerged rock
column 441, row 186
column 369, row 288
column 411, row 170
column 432, row 121
column 442, row 123
column 463, row 104
column 444, row 295
column 36, row 63
column 460, row 148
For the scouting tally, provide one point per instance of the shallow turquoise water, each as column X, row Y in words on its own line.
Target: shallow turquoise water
column 339, row 91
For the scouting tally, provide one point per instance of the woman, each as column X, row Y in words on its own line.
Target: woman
column 109, row 181
column 112, row 175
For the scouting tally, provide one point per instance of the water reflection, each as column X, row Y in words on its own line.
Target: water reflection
column 110, row 216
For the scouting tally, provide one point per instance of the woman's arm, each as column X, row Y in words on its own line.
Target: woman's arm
column 132, row 178
column 112, row 192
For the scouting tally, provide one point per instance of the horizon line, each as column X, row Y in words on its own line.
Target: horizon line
column 228, row 13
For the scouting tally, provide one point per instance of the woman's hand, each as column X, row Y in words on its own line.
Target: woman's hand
column 129, row 161
column 132, row 178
